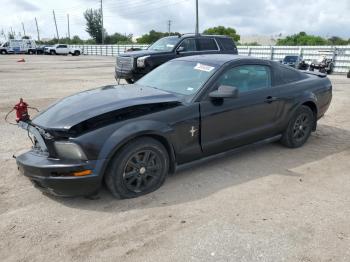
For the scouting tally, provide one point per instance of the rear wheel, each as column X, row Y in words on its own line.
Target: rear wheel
column 299, row 128
column 30, row 52
column 139, row 168
column 52, row 52
column 331, row 69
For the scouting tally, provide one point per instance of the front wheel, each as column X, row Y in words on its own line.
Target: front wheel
column 52, row 52
column 76, row 53
column 299, row 128
column 139, row 168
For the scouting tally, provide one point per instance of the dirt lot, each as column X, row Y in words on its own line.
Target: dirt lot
column 264, row 204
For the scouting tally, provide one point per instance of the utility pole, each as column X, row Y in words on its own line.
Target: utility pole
column 68, row 26
column 37, row 28
column 54, row 18
column 197, row 23
column 102, row 33
column 24, row 31
column 169, row 26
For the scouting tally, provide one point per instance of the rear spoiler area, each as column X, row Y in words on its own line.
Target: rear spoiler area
column 322, row 75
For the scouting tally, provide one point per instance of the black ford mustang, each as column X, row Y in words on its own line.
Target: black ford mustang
column 188, row 109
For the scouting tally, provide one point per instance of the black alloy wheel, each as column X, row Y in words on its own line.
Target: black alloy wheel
column 138, row 168
column 299, row 128
column 142, row 171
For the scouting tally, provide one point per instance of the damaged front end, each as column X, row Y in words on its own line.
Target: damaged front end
column 55, row 166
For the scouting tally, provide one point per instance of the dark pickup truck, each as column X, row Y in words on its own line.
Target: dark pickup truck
column 131, row 66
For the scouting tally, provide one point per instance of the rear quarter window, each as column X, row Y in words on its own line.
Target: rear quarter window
column 289, row 75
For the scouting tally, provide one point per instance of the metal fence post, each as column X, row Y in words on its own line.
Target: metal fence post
column 271, row 52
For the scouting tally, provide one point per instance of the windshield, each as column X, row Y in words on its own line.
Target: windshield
column 290, row 59
column 165, row 44
column 181, row 77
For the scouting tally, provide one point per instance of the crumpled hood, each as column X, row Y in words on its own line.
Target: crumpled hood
column 79, row 107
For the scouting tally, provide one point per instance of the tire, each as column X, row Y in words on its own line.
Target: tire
column 330, row 70
column 130, row 175
column 30, row 52
column 3, row 52
column 76, row 53
column 299, row 128
column 323, row 70
column 130, row 80
column 52, row 52
column 348, row 75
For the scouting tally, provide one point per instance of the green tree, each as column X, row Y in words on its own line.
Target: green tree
column 221, row 30
column 335, row 40
column 118, row 38
column 153, row 36
column 93, row 19
column 302, row 39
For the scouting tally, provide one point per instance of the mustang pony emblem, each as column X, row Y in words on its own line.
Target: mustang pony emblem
column 192, row 131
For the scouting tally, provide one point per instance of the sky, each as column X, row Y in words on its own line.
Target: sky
column 249, row 17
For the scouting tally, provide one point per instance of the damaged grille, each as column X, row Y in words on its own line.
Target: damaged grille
column 125, row 63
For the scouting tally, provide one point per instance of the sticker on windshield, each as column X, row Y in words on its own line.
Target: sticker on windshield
column 204, row 68
column 169, row 45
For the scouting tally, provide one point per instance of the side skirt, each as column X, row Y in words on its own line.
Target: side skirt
column 226, row 153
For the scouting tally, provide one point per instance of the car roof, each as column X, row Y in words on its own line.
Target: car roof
column 218, row 59
column 194, row 35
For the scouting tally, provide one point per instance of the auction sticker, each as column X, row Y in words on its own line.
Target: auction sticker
column 203, row 67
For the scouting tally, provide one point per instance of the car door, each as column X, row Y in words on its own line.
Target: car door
column 231, row 122
column 207, row 45
column 62, row 49
column 187, row 47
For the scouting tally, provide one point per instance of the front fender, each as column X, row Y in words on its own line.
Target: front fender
column 129, row 131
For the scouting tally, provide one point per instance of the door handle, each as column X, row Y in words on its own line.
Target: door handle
column 270, row 99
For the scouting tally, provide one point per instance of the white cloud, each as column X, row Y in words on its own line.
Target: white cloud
column 267, row 17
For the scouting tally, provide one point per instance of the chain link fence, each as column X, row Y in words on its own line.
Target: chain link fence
column 339, row 54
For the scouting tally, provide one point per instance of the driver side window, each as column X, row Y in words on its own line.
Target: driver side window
column 247, row 78
column 189, row 45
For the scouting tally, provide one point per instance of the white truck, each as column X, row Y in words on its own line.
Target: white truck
column 62, row 49
column 21, row 46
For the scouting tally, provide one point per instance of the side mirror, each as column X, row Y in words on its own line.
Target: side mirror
column 225, row 92
column 180, row 49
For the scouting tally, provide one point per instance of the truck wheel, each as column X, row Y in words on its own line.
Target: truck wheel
column 3, row 52
column 140, row 167
column 331, row 69
column 30, row 52
column 76, row 53
column 130, row 80
column 299, row 128
column 52, row 52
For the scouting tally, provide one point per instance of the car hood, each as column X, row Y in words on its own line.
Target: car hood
column 83, row 106
column 141, row 53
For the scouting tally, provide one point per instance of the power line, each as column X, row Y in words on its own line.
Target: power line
column 68, row 26
column 169, row 26
column 37, row 28
column 54, row 17
column 197, row 22
column 151, row 9
column 102, row 30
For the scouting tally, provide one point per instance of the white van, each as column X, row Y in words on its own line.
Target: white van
column 21, row 46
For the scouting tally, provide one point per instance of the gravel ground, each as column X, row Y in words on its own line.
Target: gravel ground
column 263, row 204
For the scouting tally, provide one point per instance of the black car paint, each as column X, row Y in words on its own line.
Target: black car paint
column 250, row 118
column 158, row 58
